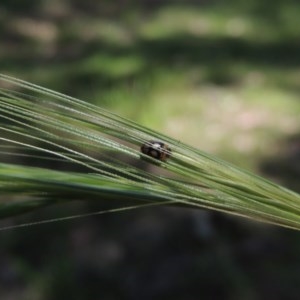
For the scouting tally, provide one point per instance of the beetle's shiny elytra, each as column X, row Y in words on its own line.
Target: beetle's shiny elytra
column 157, row 150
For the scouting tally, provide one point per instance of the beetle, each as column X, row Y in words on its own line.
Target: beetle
column 157, row 150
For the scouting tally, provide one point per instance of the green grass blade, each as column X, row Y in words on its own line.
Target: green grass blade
column 39, row 125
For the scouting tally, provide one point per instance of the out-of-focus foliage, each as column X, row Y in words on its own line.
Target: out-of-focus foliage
column 221, row 75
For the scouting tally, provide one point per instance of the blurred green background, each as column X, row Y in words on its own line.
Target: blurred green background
column 223, row 76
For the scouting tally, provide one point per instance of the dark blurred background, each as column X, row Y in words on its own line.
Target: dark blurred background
column 223, row 76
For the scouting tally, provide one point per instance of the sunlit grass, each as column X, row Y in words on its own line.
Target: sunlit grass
column 41, row 124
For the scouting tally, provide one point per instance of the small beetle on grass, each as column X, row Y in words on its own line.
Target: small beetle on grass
column 157, row 150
